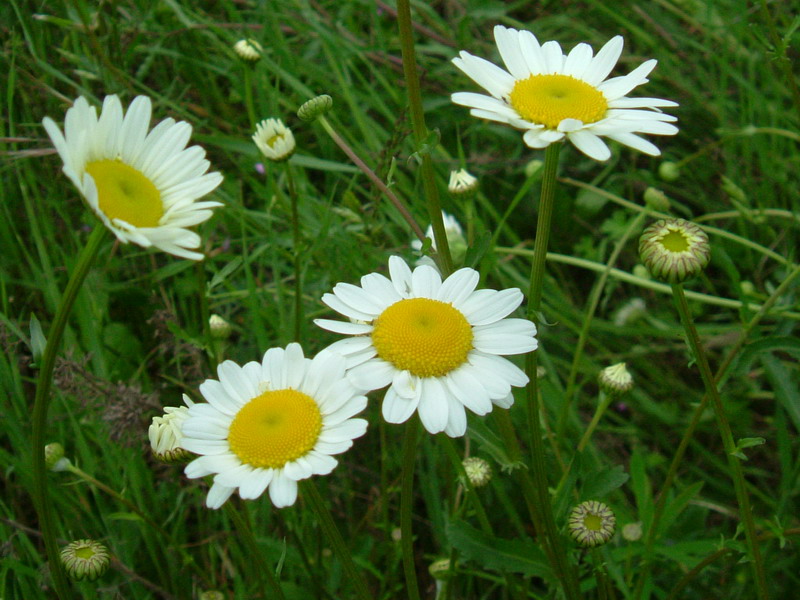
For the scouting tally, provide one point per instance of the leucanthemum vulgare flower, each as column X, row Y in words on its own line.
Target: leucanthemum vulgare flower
column 274, row 140
column 674, row 250
column 591, row 523
column 143, row 186
column 436, row 343
column 165, row 433
column 271, row 424
column 552, row 96
column 85, row 560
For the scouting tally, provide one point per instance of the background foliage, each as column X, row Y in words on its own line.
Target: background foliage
column 136, row 338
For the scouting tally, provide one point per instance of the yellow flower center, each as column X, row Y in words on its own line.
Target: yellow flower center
column 549, row 99
column 275, row 428
column 426, row 337
column 85, row 552
column 125, row 193
column 274, row 140
column 675, row 241
column 593, row 522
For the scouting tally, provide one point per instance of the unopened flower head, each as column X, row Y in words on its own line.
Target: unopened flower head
column 143, row 186
column 54, row 458
column 591, row 523
column 220, row 328
column 656, row 199
column 274, row 139
column 615, row 380
column 85, row 559
column 632, row 531
column 270, row 424
column 674, row 250
column 437, row 344
column 312, row 109
column 440, row 569
column 248, row 49
column 166, row 436
column 553, row 96
column 630, row 312
column 479, row 472
column 462, row 183
column 211, row 595
column 455, row 240
column 669, row 171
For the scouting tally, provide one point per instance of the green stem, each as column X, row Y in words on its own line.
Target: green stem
column 594, row 300
column 265, row 570
column 420, row 135
column 564, row 572
column 406, row 502
column 298, row 280
column 41, row 402
column 211, row 343
column 728, row 443
column 329, row 526
column 397, row 202
column 248, row 95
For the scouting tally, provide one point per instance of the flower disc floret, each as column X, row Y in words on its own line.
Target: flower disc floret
column 553, row 96
column 425, row 337
column 436, row 344
column 275, row 428
column 271, row 424
column 549, row 99
column 143, row 185
column 674, row 249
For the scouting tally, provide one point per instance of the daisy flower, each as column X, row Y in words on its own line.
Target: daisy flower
column 553, row 96
column 271, row 424
column 436, row 343
column 143, row 186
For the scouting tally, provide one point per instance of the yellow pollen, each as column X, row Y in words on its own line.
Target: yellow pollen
column 426, row 337
column 85, row 552
column 125, row 193
column 274, row 140
column 675, row 241
column 549, row 99
column 275, row 428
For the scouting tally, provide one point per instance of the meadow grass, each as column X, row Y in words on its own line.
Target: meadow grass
column 137, row 337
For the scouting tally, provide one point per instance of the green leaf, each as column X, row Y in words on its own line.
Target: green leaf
column 642, row 489
column 599, row 484
column 224, row 273
column 491, row 444
column 478, row 250
column 771, row 344
column 38, row 341
column 498, row 554
column 124, row 516
column 676, row 506
column 785, row 384
column 426, row 147
column 747, row 443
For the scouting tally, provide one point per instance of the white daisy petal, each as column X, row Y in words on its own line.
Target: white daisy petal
column 433, row 405
column 425, row 282
column 488, row 308
column 458, row 287
column 289, row 405
column 456, row 418
column 396, row 409
column 132, row 178
column 373, row 375
column 400, row 275
column 551, row 96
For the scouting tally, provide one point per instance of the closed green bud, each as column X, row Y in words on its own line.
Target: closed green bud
column 311, row 110
column 669, row 171
column 674, row 250
column 440, row 569
column 479, row 472
column 85, row 560
column 656, row 199
column 592, row 523
column 615, row 380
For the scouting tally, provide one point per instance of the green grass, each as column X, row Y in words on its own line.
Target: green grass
column 135, row 340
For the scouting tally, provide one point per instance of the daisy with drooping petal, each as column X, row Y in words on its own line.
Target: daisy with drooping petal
column 143, row 186
column 271, row 424
column 553, row 96
column 437, row 344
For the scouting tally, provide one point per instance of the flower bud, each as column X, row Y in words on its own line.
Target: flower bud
column 54, row 457
column 632, row 531
column 165, row 433
column 312, row 109
column 674, row 250
column 669, row 171
column 462, row 183
column 455, row 240
column 220, row 328
column 630, row 312
column 479, row 472
column 591, row 524
column 85, row 559
column 440, row 569
column 655, row 199
column 533, row 167
column 615, row 380
column 274, row 139
column 211, row 595
column 249, row 50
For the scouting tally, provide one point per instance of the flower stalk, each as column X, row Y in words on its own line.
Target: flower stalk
column 296, row 240
column 42, row 401
column 410, row 441
column 335, row 537
column 746, row 513
column 443, row 257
